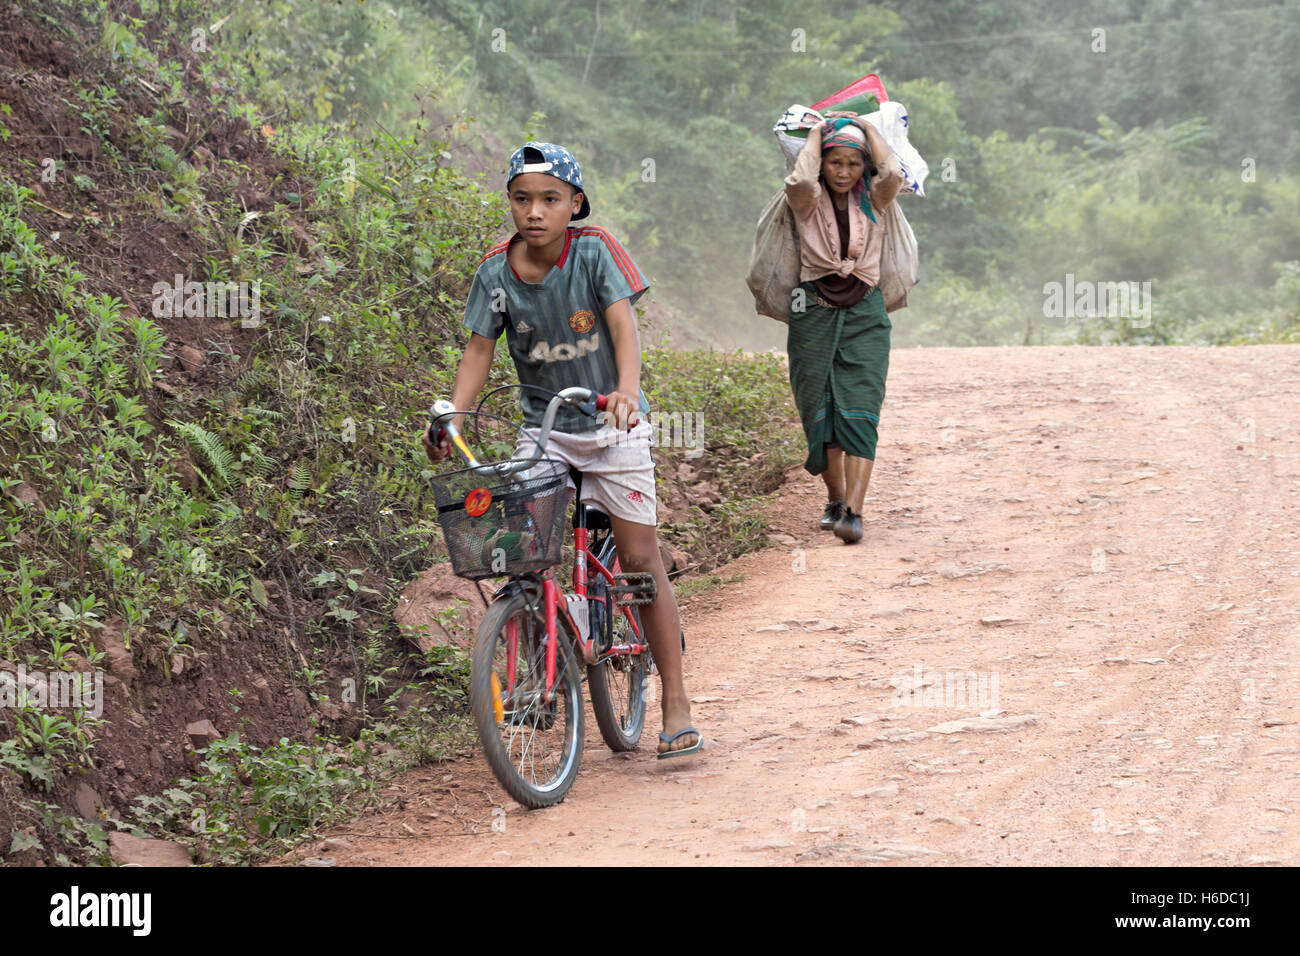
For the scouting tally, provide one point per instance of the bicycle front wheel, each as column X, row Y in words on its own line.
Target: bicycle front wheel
column 533, row 745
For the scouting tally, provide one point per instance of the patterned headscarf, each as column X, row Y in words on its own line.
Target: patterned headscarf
column 842, row 131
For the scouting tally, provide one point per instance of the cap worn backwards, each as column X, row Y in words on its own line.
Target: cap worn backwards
column 553, row 160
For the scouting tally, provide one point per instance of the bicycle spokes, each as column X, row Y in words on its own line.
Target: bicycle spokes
column 533, row 730
column 512, row 654
column 623, row 692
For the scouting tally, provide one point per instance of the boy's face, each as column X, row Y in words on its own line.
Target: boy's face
column 542, row 206
column 842, row 167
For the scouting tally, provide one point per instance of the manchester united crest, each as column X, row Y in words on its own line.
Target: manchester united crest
column 582, row 321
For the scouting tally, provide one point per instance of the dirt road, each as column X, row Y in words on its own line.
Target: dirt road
column 1071, row 635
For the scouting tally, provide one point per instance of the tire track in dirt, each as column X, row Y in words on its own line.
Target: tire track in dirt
column 1079, row 525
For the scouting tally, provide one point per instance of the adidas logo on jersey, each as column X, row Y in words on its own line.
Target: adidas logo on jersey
column 563, row 351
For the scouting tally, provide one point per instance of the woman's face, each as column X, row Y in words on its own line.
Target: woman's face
column 842, row 167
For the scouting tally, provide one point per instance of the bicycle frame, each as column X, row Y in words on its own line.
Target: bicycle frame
column 553, row 605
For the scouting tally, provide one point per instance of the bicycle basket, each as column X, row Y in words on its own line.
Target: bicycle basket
column 497, row 526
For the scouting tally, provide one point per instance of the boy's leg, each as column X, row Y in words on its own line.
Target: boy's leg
column 638, row 550
column 618, row 478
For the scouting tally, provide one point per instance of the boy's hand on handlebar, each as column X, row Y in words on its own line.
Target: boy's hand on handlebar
column 439, row 450
column 621, row 410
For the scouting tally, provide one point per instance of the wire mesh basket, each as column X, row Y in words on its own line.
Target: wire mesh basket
column 497, row 526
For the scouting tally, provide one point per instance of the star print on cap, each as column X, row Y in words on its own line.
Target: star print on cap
column 552, row 159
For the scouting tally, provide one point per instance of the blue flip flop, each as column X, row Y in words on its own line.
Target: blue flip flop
column 694, row 748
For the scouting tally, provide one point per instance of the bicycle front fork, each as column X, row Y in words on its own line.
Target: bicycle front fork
column 552, row 639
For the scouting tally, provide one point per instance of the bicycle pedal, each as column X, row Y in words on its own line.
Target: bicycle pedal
column 634, row 587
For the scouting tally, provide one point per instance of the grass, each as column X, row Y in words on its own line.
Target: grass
column 690, row 588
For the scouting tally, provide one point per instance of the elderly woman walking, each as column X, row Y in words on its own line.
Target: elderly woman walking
column 838, row 342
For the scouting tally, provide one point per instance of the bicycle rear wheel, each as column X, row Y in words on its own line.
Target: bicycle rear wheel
column 619, row 686
column 533, row 746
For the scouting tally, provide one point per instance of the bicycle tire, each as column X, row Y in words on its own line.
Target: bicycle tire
column 618, row 687
column 524, row 716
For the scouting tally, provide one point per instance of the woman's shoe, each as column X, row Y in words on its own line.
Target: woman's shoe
column 849, row 528
column 834, row 511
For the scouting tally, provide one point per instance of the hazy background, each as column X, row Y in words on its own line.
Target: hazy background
column 1164, row 149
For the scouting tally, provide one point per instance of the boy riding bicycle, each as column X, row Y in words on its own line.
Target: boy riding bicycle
column 564, row 297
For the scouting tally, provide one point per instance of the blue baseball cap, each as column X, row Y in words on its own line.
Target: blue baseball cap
column 552, row 159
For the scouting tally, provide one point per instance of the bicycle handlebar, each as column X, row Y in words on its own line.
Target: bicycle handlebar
column 586, row 400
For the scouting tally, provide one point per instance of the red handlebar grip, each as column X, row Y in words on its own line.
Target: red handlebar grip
column 603, row 400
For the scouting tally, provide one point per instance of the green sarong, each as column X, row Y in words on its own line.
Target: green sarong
column 838, row 362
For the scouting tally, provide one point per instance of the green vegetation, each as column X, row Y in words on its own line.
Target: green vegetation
column 45, row 744
column 1161, row 149
column 748, row 433
column 117, row 534
column 174, row 485
column 254, row 803
column 251, row 802
column 704, row 583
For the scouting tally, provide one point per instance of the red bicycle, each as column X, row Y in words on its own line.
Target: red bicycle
column 508, row 519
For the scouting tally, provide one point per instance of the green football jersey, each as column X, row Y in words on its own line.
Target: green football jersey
column 556, row 328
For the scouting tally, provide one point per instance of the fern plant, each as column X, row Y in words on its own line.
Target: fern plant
column 267, row 413
column 219, row 461
column 421, row 530
column 300, row 482
column 257, row 463
column 250, row 383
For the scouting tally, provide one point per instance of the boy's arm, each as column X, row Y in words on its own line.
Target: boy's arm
column 471, row 376
column 802, row 185
column 624, row 402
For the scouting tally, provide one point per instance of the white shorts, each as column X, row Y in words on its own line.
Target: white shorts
column 618, row 473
